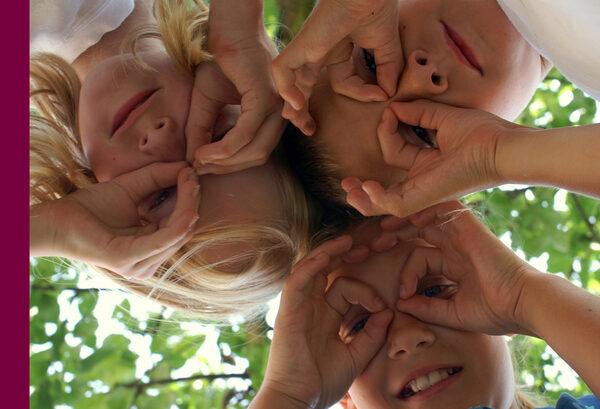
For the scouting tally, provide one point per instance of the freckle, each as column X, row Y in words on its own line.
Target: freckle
column 589, row 310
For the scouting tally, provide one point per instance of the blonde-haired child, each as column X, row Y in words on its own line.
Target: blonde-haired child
column 421, row 324
column 226, row 243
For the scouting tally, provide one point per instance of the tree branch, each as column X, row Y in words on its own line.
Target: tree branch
column 585, row 218
column 155, row 382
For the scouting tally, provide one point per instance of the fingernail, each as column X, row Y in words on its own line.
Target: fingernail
column 378, row 302
column 193, row 221
column 401, row 291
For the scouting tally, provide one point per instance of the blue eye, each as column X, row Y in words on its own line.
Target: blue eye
column 370, row 61
column 164, row 195
column 433, row 291
column 423, row 134
column 359, row 326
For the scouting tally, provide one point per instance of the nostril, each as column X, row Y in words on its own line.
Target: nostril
column 422, row 61
column 435, row 79
column 144, row 140
column 160, row 125
column 421, row 344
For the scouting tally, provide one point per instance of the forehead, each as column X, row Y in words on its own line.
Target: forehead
column 382, row 271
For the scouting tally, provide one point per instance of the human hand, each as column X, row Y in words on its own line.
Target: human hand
column 326, row 39
column 460, row 158
column 243, row 51
column 308, row 362
column 469, row 280
column 101, row 224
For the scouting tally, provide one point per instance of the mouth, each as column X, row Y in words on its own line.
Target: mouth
column 462, row 50
column 224, row 122
column 419, row 384
column 130, row 109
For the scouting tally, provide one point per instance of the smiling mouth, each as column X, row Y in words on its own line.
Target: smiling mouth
column 424, row 382
column 464, row 53
column 129, row 107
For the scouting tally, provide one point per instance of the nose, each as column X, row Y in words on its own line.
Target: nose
column 408, row 336
column 423, row 77
column 156, row 133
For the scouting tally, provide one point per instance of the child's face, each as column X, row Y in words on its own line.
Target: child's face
column 119, row 137
column 414, row 348
column 130, row 117
column 501, row 77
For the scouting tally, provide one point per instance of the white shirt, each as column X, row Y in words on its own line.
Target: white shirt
column 69, row 27
column 566, row 32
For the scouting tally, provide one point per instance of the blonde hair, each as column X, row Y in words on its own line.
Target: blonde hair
column 239, row 285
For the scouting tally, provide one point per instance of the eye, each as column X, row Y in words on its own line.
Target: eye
column 425, row 135
column 370, row 61
column 162, row 196
column 359, row 326
column 434, row 290
column 354, row 321
column 436, row 287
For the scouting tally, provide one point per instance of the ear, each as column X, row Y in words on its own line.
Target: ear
column 347, row 402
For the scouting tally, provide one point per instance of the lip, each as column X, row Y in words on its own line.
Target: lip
column 131, row 109
column 461, row 49
column 433, row 390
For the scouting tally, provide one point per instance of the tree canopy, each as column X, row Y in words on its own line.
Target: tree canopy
column 104, row 348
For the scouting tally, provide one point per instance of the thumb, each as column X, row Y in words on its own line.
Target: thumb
column 431, row 310
column 367, row 342
column 426, row 114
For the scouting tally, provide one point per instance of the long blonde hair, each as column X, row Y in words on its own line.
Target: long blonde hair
column 240, row 285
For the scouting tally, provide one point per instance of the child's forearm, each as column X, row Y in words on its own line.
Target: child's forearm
column 568, row 319
column 564, row 157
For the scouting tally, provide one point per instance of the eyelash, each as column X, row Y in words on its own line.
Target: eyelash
column 162, row 196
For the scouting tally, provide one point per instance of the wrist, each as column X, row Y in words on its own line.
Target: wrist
column 529, row 309
column 513, row 155
column 271, row 395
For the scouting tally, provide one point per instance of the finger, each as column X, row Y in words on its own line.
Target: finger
column 345, row 292
column 359, row 199
column 144, row 181
column 301, row 119
column 333, row 248
column 188, row 196
column 149, row 244
column 388, row 201
column 395, row 150
column 391, row 223
column 345, row 81
column 256, row 152
column 148, row 267
column 368, row 342
column 356, row 254
column 256, row 108
column 421, row 262
column 351, row 183
column 433, row 310
column 285, row 80
column 423, row 113
column 384, row 241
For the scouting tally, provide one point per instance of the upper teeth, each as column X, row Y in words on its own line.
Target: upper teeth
column 423, row 382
